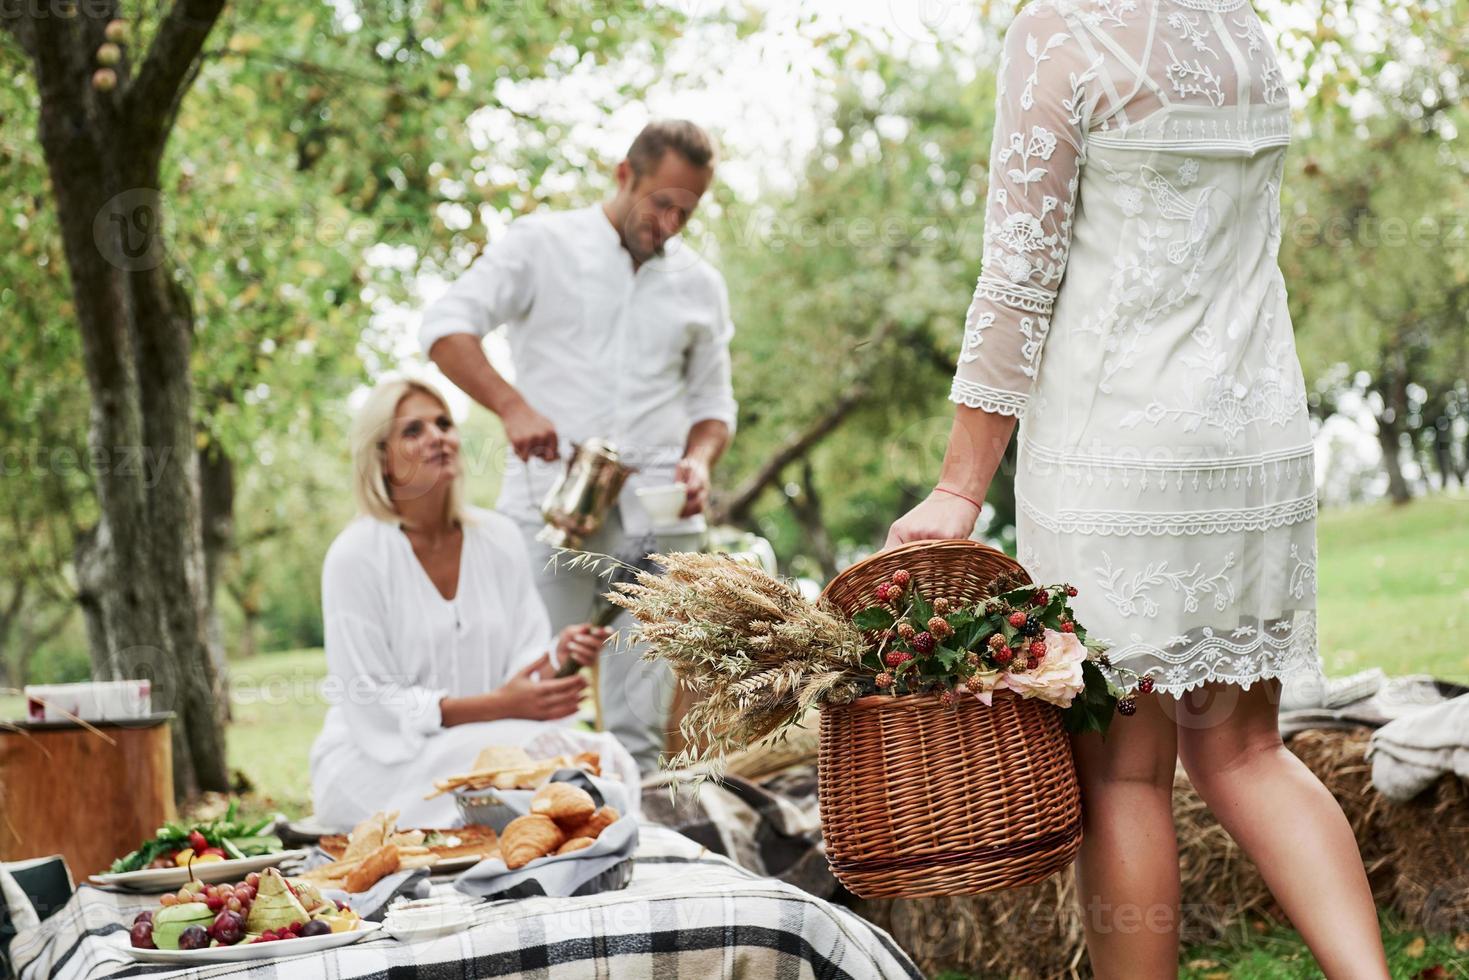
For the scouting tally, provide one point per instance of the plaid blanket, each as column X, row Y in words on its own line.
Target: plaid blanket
column 771, row 826
column 687, row 913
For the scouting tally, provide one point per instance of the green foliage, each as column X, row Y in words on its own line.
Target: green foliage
column 323, row 158
column 858, row 278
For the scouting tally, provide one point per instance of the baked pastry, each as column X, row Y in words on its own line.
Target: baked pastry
column 564, row 803
column 593, row 825
column 575, row 844
column 373, row 868
column 526, row 838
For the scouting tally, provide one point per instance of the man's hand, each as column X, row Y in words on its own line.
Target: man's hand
column 941, row 517
column 693, row 473
column 530, row 433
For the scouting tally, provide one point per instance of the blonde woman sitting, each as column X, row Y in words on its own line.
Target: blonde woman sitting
column 437, row 643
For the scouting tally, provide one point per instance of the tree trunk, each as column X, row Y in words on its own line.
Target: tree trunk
column 217, row 506
column 102, row 146
column 1389, row 437
column 1392, row 388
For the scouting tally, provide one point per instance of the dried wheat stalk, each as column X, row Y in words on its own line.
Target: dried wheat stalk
column 758, row 652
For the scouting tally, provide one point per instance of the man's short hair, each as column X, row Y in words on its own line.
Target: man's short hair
column 657, row 138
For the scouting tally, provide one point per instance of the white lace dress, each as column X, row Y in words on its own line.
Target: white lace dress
column 1133, row 314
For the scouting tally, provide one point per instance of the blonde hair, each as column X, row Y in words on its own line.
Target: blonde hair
column 370, row 430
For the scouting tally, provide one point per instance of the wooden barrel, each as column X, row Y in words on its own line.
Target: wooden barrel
column 88, row 797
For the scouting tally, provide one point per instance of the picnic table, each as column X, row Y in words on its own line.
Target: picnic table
column 687, row 912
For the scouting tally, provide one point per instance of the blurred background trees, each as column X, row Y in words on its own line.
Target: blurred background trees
column 330, row 166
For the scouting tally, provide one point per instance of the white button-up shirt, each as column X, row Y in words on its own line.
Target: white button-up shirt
column 635, row 357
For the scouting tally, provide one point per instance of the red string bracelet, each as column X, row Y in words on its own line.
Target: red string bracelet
column 955, row 493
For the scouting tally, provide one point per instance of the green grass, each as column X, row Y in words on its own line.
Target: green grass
column 277, row 712
column 1394, row 587
column 1279, row 954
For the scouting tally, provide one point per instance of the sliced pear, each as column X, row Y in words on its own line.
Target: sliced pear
column 275, row 907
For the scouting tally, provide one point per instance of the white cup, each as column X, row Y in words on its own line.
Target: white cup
column 664, row 504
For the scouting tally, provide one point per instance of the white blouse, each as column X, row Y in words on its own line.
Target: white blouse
column 395, row 646
column 1133, row 314
column 637, row 356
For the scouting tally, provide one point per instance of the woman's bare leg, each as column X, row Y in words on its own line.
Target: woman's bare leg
column 1285, row 820
column 1127, row 871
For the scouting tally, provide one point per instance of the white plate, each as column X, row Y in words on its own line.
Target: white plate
column 210, row 872
column 250, row 951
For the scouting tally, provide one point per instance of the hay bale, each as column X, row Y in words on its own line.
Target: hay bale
column 1417, row 857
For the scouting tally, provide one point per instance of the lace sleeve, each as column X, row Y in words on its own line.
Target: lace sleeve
column 1045, row 94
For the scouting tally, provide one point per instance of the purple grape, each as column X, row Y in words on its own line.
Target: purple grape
column 228, row 928
column 194, row 937
column 141, row 934
column 316, row 927
column 144, row 916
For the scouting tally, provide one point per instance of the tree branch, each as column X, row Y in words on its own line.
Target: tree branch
column 153, row 97
column 738, row 504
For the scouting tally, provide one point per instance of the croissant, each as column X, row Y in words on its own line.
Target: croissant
column 575, row 844
column 529, row 837
column 562, row 802
column 594, row 824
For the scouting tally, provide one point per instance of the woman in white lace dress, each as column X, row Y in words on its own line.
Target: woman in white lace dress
column 1132, row 316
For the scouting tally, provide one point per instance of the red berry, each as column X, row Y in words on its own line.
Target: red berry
column 1127, row 706
column 884, row 592
column 947, row 699
column 1071, row 590
column 1042, row 598
column 901, row 578
column 1068, row 627
column 1017, row 619
column 1003, row 656
column 923, row 643
column 1038, row 649
column 894, row 658
column 1145, row 685
column 1032, row 663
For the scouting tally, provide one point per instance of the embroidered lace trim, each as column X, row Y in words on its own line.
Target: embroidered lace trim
column 1059, row 457
column 1259, row 518
column 1243, row 657
column 975, row 395
column 1014, row 295
column 1218, row 6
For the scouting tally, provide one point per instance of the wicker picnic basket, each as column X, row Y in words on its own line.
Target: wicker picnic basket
column 918, row 799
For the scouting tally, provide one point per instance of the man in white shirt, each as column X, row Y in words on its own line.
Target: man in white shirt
column 617, row 330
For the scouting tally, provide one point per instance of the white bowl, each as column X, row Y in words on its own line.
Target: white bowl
column 664, row 503
column 409, row 924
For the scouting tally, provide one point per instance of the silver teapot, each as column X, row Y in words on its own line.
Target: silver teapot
column 583, row 495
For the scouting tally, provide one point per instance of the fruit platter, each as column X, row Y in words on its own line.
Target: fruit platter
column 244, row 920
column 219, row 850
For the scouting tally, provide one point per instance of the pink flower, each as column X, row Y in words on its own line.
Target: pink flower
column 984, row 684
column 1057, row 678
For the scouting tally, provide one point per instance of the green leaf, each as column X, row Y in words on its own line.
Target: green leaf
column 873, row 618
column 922, row 609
